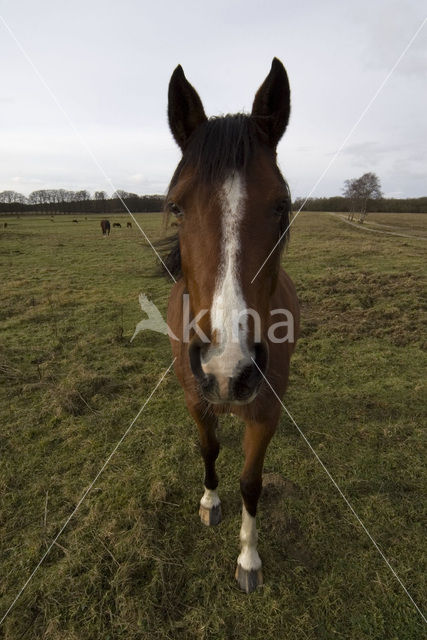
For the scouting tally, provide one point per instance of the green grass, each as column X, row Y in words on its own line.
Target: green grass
column 135, row 562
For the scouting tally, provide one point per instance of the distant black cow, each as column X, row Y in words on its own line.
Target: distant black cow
column 117, row 224
column 129, row 225
column 75, row 220
column 105, row 226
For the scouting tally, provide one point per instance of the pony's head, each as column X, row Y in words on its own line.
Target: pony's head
column 232, row 205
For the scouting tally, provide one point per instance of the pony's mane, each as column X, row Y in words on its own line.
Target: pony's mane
column 219, row 147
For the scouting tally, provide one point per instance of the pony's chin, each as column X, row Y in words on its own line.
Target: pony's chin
column 247, row 400
column 232, row 401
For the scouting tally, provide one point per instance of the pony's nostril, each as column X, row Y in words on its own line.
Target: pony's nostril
column 207, row 383
column 246, row 382
column 194, row 353
column 250, row 377
column 246, row 377
column 261, row 357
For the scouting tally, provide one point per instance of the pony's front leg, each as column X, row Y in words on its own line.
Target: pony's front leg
column 257, row 437
column 210, row 504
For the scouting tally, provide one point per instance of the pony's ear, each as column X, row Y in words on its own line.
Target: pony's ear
column 185, row 109
column 272, row 104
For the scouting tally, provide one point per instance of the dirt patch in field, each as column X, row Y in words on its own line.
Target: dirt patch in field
column 285, row 530
column 79, row 394
column 274, row 485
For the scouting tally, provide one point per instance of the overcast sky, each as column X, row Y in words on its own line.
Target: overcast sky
column 109, row 63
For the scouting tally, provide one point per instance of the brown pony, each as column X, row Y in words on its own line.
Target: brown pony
column 105, row 227
column 232, row 205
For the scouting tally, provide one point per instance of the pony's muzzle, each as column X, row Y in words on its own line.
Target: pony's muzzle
column 238, row 385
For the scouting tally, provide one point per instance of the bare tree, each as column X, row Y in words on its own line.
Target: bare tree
column 350, row 192
column 37, row 197
column 81, row 195
column 12, row 196
column 123, row 195
column 359, row 191
column 100, row 197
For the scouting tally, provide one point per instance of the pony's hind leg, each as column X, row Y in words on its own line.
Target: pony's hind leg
column 210, row 504
column 249, row 566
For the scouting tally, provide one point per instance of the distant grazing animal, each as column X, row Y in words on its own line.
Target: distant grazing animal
column 117, row 224
column 234, row 207
column 105, row 226
column 5, row 225
column 75, row 220
column 129, row 225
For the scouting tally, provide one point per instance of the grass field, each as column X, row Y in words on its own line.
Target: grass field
column 134, row 562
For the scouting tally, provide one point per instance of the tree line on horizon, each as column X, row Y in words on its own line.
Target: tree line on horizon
column 380, row 205
column 67, row 201
column 361, row 195
column 356, row 197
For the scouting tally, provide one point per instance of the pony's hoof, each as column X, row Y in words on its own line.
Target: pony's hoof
column 248, row 580
column 212, row 516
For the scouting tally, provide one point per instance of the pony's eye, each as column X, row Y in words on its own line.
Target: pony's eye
column 281, row 208
column 174, row 208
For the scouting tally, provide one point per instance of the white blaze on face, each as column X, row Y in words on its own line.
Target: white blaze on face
column 228, row 302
